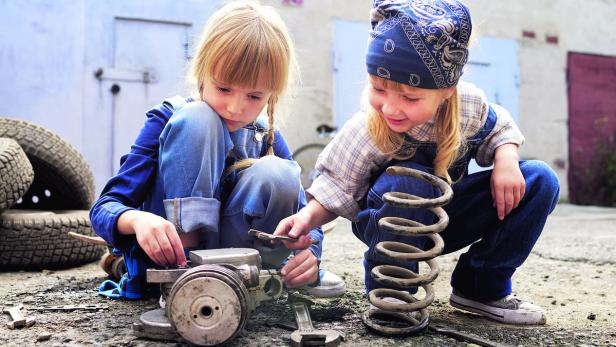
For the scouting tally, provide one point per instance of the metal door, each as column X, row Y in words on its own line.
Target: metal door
column 592, row 128
column 136, row 57
column 141, row 75
column 350, row 76
column 493, row 67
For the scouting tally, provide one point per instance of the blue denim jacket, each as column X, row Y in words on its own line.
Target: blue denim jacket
column 136, row 186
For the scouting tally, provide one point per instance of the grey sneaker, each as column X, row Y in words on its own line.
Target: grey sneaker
column 506, row 310
column 328, row 285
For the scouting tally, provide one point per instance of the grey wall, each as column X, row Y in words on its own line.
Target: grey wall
column 41, row 64
column 50, row 48
column 585, row 26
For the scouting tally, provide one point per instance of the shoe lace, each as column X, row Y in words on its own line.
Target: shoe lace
column 511, row 300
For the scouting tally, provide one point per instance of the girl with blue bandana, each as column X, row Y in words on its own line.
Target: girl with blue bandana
column 206, row 169
column 418, row 114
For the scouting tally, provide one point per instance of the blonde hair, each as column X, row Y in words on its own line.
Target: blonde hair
column 246, row 44
column 449, row 141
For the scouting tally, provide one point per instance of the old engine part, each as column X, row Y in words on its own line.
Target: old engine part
column 209, row 303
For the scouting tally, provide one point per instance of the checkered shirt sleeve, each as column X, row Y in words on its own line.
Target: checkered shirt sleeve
column 346, row 165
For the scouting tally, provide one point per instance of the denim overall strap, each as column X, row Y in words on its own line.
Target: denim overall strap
column 460, row 168
column 485, row 130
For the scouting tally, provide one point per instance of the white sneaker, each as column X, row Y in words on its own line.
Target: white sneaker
column 506, row 310
column 328, row 285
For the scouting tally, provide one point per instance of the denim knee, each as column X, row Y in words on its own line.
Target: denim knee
column 542, row 184
column 270, row 183
column 198, row 123
column 276, row 176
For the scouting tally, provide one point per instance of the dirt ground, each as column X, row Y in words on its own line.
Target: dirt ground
column 571, row 273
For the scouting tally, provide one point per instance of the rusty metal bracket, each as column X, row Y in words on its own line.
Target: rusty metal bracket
column 18, row 319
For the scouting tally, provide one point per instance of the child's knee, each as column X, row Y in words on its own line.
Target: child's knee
column 197, row 120
column 541, row 181
column 276, row 176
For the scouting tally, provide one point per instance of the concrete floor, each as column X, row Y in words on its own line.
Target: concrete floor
column 571, row 273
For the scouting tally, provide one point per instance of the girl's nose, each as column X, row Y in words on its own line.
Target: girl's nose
column 235, row 105
column 390, row 109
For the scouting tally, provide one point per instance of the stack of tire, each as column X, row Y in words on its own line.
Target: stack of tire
column 46, row 189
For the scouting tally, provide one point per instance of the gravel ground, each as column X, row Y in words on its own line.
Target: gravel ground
column 571, row 273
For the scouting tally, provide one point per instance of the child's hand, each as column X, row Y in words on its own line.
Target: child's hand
column 300, row 224
column 507, row 184
column 295, row 226
column 302, row 269
column 159, row 239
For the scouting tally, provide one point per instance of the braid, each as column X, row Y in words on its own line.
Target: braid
column 270, row 119
column 246, row 163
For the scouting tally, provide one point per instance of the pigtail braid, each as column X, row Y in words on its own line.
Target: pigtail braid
column 270, row 120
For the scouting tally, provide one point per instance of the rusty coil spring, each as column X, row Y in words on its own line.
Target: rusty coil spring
column 412, row 313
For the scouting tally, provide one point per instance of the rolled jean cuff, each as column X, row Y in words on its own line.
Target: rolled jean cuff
column 193, row 213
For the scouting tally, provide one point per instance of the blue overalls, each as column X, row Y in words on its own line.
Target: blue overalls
column 484, row 271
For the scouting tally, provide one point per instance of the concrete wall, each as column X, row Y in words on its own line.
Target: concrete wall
column 49, row 48
column 41, row 64
column 312, row 27
column 584, row 26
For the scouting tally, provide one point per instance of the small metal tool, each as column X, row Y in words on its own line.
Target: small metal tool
column 307, row 335
column 19, row 321
column 83, row 307
column 461, row 336
column 269, row 237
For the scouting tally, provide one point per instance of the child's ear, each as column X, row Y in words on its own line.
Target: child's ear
column 449, row 92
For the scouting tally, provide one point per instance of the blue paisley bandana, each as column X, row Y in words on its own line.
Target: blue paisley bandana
column 421, row 43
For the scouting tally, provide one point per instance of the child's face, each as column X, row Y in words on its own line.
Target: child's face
column 405, row 108
column 236, row 105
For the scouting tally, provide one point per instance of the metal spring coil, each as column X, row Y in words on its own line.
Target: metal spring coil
column 401, row 278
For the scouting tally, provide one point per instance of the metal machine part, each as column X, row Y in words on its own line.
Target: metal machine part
column 18, row 319
column 209, row 303
column 306, row 334
column 412, row 311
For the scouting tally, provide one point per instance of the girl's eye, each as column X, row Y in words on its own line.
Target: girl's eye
column 378, row 90
column 254, row 97
column 406, row 98
column 223, row 89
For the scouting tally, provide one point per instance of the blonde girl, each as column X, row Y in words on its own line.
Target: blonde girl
column 206, row 169
column 419, row 115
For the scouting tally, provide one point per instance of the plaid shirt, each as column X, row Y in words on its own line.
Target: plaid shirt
column 351, row 158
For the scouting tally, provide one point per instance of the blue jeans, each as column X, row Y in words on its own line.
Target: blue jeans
column 498, row 247
column 196, row 148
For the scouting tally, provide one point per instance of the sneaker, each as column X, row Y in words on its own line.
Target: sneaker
column 328, row 285
column 506, row 310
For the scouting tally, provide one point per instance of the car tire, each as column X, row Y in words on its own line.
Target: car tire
column 62, row 177
column 35, row 240
column 16, row 173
